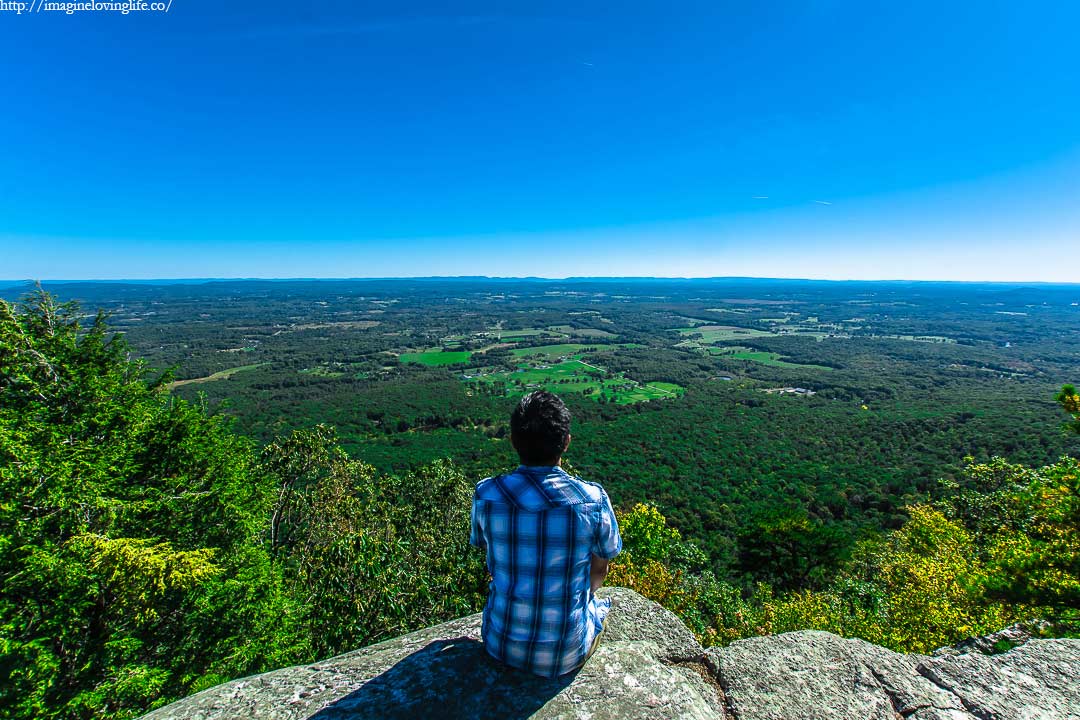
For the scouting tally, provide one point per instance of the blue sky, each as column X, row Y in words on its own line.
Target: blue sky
column 817, row 139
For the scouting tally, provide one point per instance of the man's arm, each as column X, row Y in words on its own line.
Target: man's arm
column 607, row 543
column 476, row 531
column 598, row 572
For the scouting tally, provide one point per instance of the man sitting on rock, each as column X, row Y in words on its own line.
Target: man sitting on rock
column 548, row 537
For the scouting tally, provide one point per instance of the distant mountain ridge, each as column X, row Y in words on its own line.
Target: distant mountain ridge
column 533, row 278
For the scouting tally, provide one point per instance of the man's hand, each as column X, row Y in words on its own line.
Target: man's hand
column 598, row 572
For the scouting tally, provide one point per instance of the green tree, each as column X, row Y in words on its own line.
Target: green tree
column 1025, row 521
column 789, row 549
column 1069, row 400
column 126, row 520
column 369, row 556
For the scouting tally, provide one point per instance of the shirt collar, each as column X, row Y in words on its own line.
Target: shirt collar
column 542, row 468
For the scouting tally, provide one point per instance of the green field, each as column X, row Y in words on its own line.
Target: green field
column 765, row 358
column 436, row 357
column 554, row 352
column 649, row 391
column 221, row 375
column 575, row 376
column 571, row 375
column 711, row 334
column 581, row 332
column 525, row 334
column 666, row 387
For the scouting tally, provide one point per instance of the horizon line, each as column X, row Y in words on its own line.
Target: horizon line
column 527, row 278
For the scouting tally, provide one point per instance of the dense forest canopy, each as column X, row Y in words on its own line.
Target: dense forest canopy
column 679, row 388
column 207, row 481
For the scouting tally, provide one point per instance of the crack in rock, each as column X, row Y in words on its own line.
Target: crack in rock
column 699, row 665
column 894, row 699
column 929, row 674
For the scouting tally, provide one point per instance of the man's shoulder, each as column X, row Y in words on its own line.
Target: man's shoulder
column 594, row 491
column 488, row 489
column 563, row 488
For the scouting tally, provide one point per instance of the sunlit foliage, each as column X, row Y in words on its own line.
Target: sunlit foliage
column 1070, row 401
column 1002, row 549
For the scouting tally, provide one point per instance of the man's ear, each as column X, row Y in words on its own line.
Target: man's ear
column 568, row 437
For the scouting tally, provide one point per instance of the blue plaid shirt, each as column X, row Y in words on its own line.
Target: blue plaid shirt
column 541, row 527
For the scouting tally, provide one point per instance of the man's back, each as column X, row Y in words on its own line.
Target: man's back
column 541, row 527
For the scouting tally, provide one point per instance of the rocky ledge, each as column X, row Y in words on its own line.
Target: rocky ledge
column 649, row 665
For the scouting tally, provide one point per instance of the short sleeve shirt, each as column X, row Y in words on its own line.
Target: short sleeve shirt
column 540, row 527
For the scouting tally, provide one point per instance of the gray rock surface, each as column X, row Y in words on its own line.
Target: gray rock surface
column 649, row 665
column 811, row 674
column 645, row 667
column 1040, row 679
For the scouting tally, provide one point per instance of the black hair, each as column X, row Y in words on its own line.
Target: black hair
column 540, row 425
